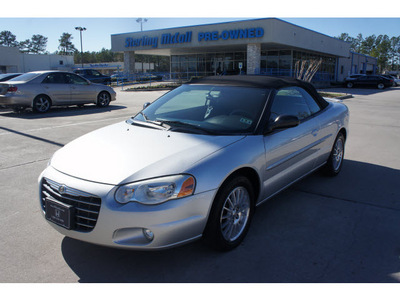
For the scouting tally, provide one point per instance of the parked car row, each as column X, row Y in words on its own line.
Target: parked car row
column 123, row 77
column 94, row 76
column 41, row 90
column 396, row 80
column 360, row 80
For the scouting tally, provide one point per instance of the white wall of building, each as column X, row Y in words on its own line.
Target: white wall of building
column 12, row 60
column 356, row 63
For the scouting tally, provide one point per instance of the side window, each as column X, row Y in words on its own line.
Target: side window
column 75, row 79
column 55, row 78
column 312, row 104
column 96, row 73
column 293, row 101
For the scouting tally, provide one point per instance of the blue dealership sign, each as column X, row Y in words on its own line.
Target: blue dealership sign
column 186, row 37
column 231, row 34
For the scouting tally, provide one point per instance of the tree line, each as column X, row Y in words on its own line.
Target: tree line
column 386, row 49
column 38, row 43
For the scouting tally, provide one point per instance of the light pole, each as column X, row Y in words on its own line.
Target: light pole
column 81, row 29
column 141, row 21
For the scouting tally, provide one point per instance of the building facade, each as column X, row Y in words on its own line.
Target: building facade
column 262, row 46
column 13, row 61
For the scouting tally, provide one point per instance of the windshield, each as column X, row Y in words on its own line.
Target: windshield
column 25, row 77
column 207, row 109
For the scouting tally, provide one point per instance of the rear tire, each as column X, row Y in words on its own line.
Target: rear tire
column 349, row 85
column 41, row 104
column 335, row 160
column 231, row 214
column 381, row 86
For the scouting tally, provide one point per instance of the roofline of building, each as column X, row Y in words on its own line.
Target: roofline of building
column 230, row 22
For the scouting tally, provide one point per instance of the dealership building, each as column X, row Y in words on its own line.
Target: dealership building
column 263, row 46
column 13, row 61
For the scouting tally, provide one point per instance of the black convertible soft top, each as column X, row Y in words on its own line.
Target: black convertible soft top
column 261, row 82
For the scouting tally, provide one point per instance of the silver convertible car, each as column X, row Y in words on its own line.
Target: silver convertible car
column 43, row 89
column 194, row 163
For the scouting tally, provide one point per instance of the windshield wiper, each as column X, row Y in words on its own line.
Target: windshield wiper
column 180, row 125
column 150, row 123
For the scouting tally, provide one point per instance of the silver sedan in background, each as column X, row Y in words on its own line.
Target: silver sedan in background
column 194, row 163
column 42, row 89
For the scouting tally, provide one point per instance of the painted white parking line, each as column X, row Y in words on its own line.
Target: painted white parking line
column 68, row 125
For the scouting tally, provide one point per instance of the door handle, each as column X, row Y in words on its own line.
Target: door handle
column 315, row 132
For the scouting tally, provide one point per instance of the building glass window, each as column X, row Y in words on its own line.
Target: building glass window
column 280, row 62
column 206, row 64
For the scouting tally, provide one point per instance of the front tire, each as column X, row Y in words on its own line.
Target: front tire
column 349, row 85
column 381, row 86
column 103, row 99
column 335, row 160
column 41, row 104
column 231, row 214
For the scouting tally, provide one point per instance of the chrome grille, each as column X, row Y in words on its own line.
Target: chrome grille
column 87, row 206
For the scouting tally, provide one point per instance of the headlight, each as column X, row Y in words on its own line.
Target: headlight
column 156, row 191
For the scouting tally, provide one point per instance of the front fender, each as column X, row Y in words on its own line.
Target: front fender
column 212, row 171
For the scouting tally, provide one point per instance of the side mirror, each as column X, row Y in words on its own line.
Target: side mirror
column 282, row 122
column 146, row 105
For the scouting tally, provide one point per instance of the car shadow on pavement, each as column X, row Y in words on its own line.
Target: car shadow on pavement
column 61, row 111
column 333, row 230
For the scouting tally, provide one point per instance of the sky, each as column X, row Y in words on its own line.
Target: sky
column 101, row 22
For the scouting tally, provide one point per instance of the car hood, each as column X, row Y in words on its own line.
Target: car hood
column 122, row 153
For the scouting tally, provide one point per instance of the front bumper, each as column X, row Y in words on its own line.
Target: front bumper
column 123, row 226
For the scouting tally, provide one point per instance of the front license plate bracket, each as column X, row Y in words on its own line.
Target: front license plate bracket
column 59, row 213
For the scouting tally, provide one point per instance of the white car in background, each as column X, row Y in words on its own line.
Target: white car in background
column 41, row 90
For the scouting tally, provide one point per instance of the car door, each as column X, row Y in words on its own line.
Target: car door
column 368, row 80
column 57, row 88
column 82, row 91
column 96, row 77
column 290, row 153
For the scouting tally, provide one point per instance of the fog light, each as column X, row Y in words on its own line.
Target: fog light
column 148, row 234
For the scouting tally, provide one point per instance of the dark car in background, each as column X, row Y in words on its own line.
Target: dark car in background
column 93, row 75
column 8, row 76
column 369, row 80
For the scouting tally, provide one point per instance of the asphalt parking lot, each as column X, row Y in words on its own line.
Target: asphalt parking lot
column 331, row 230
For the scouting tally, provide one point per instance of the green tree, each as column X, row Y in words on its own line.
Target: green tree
column 381, row 51
column 395, row 52
column 66, row 46
column 385, row 49
column 8, row 39
column 38, row 44
column 368, row 44
column 25, row 46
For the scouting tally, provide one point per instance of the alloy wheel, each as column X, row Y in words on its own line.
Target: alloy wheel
column 103, row 99
column 41, row 104
column 235, row 214
column 337, row 154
